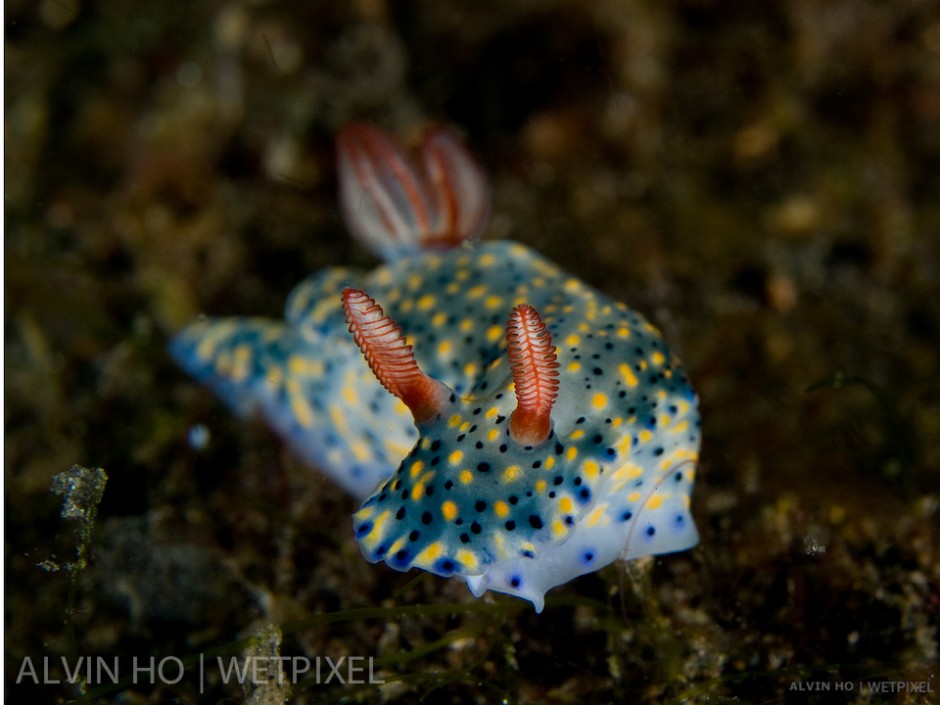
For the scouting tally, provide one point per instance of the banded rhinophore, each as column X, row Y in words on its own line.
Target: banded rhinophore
column 501, row 420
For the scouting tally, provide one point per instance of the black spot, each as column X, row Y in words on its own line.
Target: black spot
column 478, row 444
column 363, row 529
column 537, row 464
column 414, row 535
column 480, row 505
column 657, row 452
column 483, row 467
column 535, row 521
column 405, row 493
column 475, row 527
column 396, row 485
column 380, row 551
column 476, row 412
column 559, row 448
column 598, row 371
column 510, row 525
column 569, row 520
column 400, row 514
column 435, row 446
column 459, row 521
column 515, row 581
column 650, row 530
column 382, row 497
column 435, row 460
column 503, row 448
column 461, row 437
column 598, row 439
column 611, row 452
column 585, row 493
column 528, row 554
column 500, row 419
column 513, row 499
column 464, row 538
column 580, row 420
column 558, row 480
column 678, row 477
column 626, row 516
column 429, row 490
column 449, row 485
column 588, row 556
column 577, row 481
column 426, row 518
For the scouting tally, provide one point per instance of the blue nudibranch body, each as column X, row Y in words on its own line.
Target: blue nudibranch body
column 516, row 455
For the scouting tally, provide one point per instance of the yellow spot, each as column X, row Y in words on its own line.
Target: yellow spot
column 574, row 366
column 550, row 462
column 349, row 394
column 633, row 497
column 415, row 281
column 416, row 468
column 494, row 333
column 487, row 260
column 558, row 529
column 573, row 340
column 365, row 513
column 657, row 358
column 512, row 473
column 430, row 554
column 397, row 545
column 492, row 435
column 470, row 369
column 466, row 477
column 492, row 301
column 565, row 504
column 438, row 319
column 491, row 412
column 628, row 377
column 645, row 435
column 501, row 508
column 571, row 453
column 655, row 501
column 452, row 288
column 417, row 492
column 597, row 515
column 679, row 427
column 623, row 332
column 467, row 558
column 298, row 404
column 575, row 435
column 241, row 362
column 541, row 486
column 274, row 377
column 449, row 510
column 572, row 285
column 475, row 292
column 444, row 347
column 361, row 451
column 377, row 532
column 591, row 469
column 401, row 409
column 426, row 302
column 599, row 401
column 455, row 457
column 454, row 421
column 466, row 325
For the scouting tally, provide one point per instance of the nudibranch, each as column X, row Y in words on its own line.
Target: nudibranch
column 501, row 420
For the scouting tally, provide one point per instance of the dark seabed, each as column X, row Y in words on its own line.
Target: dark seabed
column 761, row 179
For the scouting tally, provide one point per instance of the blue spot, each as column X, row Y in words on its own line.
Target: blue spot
column 588, row 556
column 679, row 521
column 515, row 581
column 363, row 529
column 650, row 530
column 626, row 516
column 445, row 566
column 401, row 559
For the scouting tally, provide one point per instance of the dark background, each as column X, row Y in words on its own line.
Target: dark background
column 761, row 179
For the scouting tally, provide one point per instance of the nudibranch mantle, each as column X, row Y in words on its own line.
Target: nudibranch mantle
column 456, row 494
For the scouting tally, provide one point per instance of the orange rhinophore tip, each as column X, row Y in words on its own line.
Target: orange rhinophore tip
column 534, row 374
column 390, row 358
